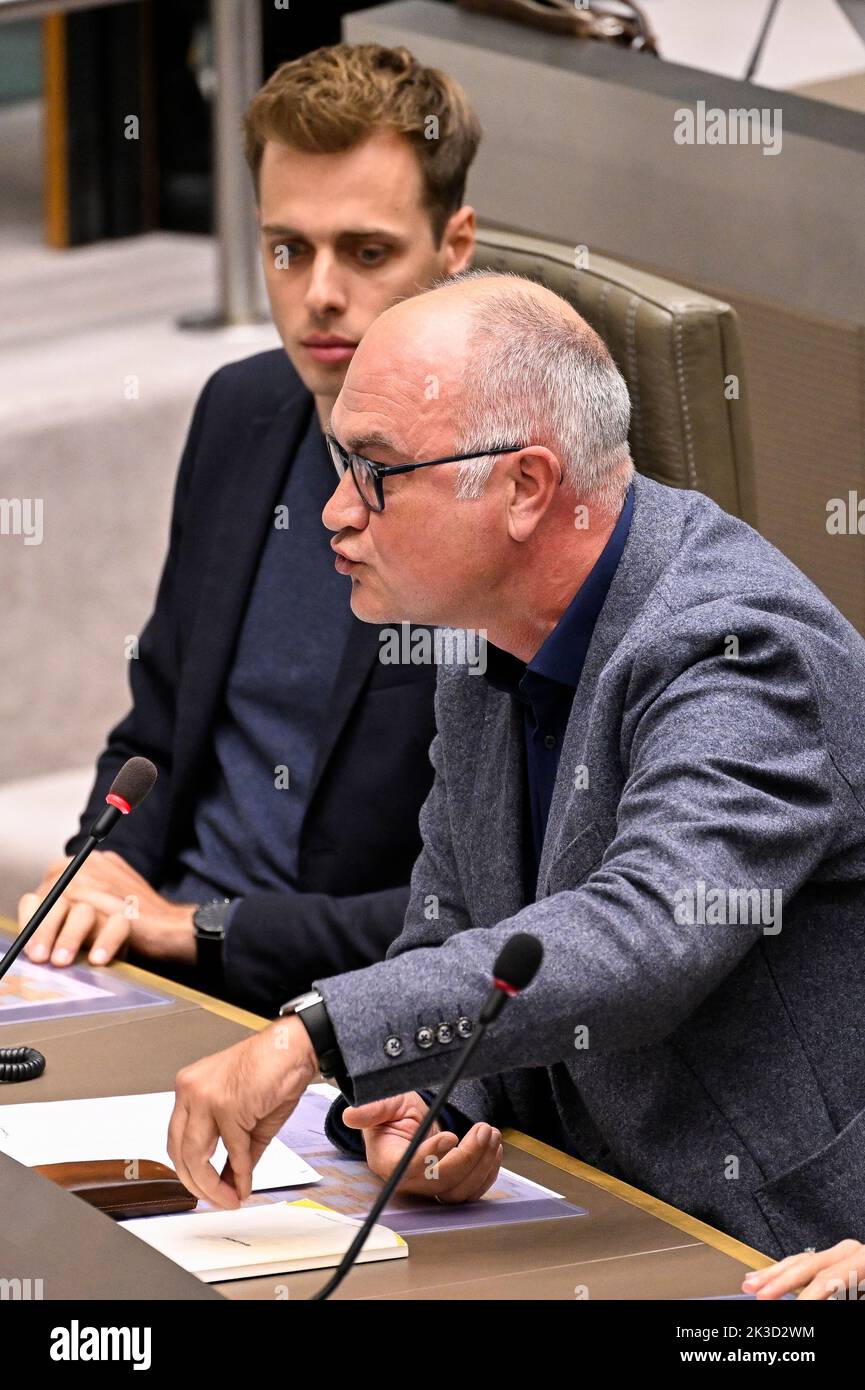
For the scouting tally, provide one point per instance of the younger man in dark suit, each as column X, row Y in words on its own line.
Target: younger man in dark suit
column 278, row 841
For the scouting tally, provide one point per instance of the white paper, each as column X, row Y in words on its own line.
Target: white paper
column 258, row 1240
column 324, row 1088
column 124, row 1127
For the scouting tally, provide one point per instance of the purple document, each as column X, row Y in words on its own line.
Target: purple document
column 31, row 993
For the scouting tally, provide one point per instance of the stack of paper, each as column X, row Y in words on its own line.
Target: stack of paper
column 279, row 1238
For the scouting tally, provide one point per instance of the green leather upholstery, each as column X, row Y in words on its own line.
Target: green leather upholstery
column 676, row 348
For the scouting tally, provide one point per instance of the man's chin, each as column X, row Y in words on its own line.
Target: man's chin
column 366, row 607
column 319, row 378
column 363, row 607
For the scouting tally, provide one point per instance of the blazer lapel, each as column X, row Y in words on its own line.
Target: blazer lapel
column 495, row 823
column 646, row 553
column 240, row 528
column 358, row 659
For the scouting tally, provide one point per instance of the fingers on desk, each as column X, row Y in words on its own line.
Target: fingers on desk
column 819, row 1274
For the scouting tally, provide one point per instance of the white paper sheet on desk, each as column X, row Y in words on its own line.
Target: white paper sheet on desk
column 127, row 1127
column 255, row 1241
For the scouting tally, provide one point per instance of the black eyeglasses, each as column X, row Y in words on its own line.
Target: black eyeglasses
column 369, row 476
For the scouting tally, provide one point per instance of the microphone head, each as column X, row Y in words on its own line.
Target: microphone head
column 133, row 782
column 519, row 960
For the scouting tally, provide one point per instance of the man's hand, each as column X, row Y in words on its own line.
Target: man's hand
column 241, row 1096
column 111, row 907
column 819, row 1275
column 451, row 1169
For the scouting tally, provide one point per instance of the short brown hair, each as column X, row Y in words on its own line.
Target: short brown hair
column 334, row 98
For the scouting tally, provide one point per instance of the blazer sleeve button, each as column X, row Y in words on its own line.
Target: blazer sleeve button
column 424, row 1037
column 393, row 1046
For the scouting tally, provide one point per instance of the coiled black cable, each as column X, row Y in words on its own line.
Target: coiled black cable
column 20, row 1064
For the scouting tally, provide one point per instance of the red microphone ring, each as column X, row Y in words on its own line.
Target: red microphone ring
column 114, row 800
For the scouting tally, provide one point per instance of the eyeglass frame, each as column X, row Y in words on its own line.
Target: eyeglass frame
column 380, row 471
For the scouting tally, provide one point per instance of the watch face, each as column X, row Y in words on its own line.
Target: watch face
column 209, row 919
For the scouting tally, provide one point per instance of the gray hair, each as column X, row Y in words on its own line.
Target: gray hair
column 535, row 376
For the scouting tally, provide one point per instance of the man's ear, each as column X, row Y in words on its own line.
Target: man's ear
column 459, row 240
column 532, row 478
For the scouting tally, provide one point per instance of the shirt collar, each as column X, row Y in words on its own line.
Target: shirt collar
column 561, row 657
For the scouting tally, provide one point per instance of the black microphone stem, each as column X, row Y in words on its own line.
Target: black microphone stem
column 46, row 905
column 104, row 822
column 129, row 788
column 423, row 1128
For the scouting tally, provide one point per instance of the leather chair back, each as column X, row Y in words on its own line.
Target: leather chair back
column 678, row 350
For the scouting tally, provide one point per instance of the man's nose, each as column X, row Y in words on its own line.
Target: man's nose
column 345, row 509
column 324, row 293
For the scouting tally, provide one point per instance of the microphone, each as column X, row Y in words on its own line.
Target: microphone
column 127, row 791
column 516, row 966
column 129, row 788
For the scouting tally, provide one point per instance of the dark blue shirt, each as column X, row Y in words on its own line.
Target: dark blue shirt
column 545, row 689
column 248, row 820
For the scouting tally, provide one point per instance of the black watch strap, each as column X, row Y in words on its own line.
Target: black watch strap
column 209, row 925
column 316, row 1021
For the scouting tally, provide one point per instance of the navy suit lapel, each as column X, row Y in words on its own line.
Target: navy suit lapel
column 253, row 488
column 358, row 658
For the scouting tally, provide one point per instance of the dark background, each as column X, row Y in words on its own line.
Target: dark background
column 150, row 59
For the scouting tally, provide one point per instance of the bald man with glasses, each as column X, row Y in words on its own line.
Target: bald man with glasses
column 680, row 822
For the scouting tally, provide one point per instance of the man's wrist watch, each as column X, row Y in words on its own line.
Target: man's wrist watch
column 312, row 1012
column 208, row 922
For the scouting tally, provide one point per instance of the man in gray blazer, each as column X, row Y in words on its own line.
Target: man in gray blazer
column 660, row 775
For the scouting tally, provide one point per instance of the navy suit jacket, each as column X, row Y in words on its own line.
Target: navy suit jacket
column 360, row 834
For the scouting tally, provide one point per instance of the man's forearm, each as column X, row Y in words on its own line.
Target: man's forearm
column 277, row 943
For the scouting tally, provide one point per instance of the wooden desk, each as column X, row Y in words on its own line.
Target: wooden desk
column 629, row 1246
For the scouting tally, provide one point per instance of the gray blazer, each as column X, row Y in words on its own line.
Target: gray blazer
column 697, row 1026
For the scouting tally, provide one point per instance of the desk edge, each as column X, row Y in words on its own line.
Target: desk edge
column 653, row 1206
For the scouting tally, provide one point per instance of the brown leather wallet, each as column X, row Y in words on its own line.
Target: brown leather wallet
column 121, row 1187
